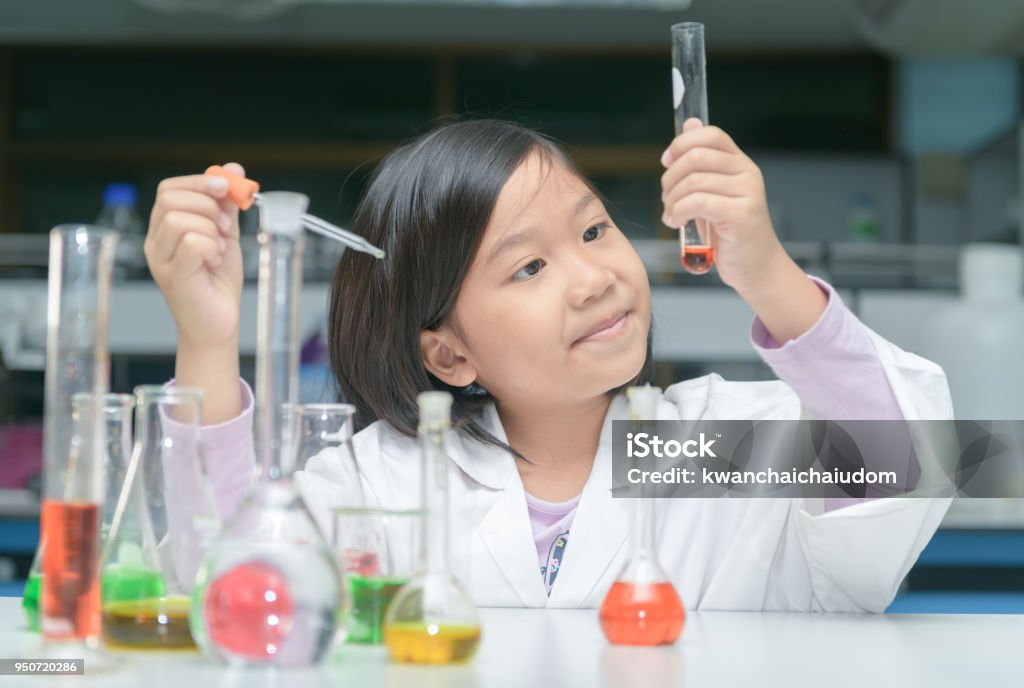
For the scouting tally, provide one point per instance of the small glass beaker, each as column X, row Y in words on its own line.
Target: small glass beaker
column 377, row 550
column 164, row 522
column 320, row 427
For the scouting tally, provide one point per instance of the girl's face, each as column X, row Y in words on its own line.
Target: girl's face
column 556, row 306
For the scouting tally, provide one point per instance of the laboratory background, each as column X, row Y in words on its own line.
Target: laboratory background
column 889, row 134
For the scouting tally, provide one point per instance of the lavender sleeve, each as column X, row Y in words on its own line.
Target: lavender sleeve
column 834, row 369
column 228, row 455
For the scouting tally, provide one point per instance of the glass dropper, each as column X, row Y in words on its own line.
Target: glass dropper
column 244, row 192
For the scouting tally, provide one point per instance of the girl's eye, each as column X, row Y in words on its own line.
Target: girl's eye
column 595, row 232
column 528, row 270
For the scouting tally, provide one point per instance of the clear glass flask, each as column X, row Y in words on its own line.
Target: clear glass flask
column 432, row 620
column 165, row 519
column 642, row 606
column 269, row 591
column 117, row 433
column 323, row 426
column 329, row 427
column 77, row 360
column 690, row 99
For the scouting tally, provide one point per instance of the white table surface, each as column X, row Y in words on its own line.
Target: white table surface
column 562, row 648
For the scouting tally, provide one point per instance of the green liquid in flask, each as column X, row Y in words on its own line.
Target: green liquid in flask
column 121, row 583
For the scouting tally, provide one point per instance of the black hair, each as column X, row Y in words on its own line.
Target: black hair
column 427, row 205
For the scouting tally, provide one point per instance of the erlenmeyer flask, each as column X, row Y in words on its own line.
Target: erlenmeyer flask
column 117, row 409
column 165, row 520
column 269, row 592
column 432, row 620
column 77, row 360
column 642, row 606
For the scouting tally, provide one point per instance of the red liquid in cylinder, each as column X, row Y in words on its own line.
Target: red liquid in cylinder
column 642, row 614
column 70, row 607
column 698, row 259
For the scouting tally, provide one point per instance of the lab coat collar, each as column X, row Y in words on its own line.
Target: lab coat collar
column 505, row 529
column 490, row 466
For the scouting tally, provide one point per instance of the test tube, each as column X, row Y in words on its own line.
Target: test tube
column 690, row 99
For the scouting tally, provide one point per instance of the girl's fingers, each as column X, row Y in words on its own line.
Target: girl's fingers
column 228, row 206
column 175, row 226
column 211, row 185
column 709, row 206
column 186, row 201
column 728, row 185
column 193, row 251
column 234, row 168
column 702, row 160
column 702, row 137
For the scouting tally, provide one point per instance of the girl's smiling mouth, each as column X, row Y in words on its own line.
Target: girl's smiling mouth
column 607, row 329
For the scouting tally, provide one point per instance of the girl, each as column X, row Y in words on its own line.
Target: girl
column 507, row 283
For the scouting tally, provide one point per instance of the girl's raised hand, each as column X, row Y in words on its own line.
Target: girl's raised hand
column 708, row 177
column 194, row 255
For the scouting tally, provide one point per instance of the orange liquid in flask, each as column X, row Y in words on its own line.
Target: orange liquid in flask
column 642, row 614
column 698, row 259
column 71, row 594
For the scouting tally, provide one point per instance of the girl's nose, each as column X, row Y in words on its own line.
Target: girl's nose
column 589, row 280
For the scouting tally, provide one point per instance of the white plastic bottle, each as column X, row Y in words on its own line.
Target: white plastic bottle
column 978, row 340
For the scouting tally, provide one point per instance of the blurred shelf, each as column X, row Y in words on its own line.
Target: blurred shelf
column 975, row 548
column 143, row 152
column 957, row 603
column 595, row 159
column 975, row 514
column 17, row 504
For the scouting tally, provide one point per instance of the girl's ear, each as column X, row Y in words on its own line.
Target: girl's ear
column 443, row 357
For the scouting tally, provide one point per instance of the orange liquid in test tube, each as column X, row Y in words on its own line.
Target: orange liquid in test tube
column 698, row 259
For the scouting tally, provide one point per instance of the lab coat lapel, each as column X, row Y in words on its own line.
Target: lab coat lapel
column 598, row 531
column 505, row 528
column 508, row 537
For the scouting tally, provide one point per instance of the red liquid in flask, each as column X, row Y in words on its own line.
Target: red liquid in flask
column 698, row 259
column 642, row 614
column 71, row 595
column 249, row 610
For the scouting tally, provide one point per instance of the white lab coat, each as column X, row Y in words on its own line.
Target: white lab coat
column 735, row 554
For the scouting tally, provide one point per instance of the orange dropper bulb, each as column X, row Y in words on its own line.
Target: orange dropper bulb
column 241, row 191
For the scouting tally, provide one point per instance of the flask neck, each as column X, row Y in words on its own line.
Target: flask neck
column 434, row 540
column 642, row 529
